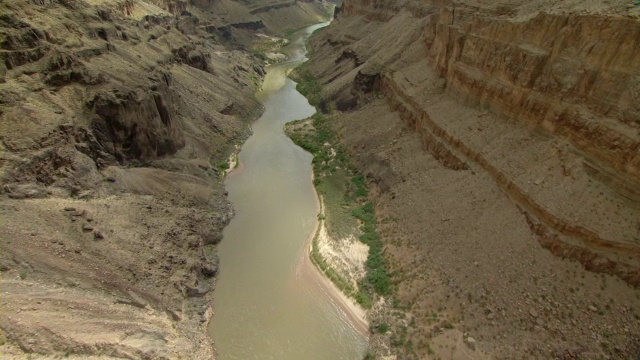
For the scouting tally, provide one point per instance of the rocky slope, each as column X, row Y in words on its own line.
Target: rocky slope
column 503, row 143
column 117, row 120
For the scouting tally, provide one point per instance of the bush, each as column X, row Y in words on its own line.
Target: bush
column 364, row 299
column 361, row 188
column 379, row 278
column 383, row 328
column 369, row 356
column 365, row 213
column 224, row 165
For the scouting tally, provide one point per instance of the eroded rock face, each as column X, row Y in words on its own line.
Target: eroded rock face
column 118, row 113
column 134, row 125
column 135, row 114
column 365, row 84
column 521, row 70
column 503, row 140
column 367, row 79
column 192, row 57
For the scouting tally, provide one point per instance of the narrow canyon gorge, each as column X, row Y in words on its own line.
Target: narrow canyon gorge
column 499, row 145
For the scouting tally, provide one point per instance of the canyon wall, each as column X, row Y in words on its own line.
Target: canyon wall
column 528, row 126
column 572, row 75
column 117, row 120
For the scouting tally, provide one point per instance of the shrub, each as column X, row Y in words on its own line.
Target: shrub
column 363, row 299
column 383, row 328
column 361, row 188
column 224, row 165
column 379, row 278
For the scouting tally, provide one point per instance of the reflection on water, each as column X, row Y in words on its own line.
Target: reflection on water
column 265, row 306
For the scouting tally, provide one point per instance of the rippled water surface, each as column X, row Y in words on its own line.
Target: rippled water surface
column 268, row 302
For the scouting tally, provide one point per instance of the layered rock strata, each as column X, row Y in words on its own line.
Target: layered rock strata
column 528, row 130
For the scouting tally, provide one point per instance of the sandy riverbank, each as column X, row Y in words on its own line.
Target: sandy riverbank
column 354, row 312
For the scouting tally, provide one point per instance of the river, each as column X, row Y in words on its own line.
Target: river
column 269, row 303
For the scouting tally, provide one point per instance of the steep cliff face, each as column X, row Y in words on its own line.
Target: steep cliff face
column 117, row 119
column 575, row 76
column 509, row 138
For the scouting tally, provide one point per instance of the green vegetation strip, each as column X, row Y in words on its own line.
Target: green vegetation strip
column 309, row 86
column 339, row 184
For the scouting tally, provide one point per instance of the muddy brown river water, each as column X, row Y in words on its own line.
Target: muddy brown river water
column 269, row 303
